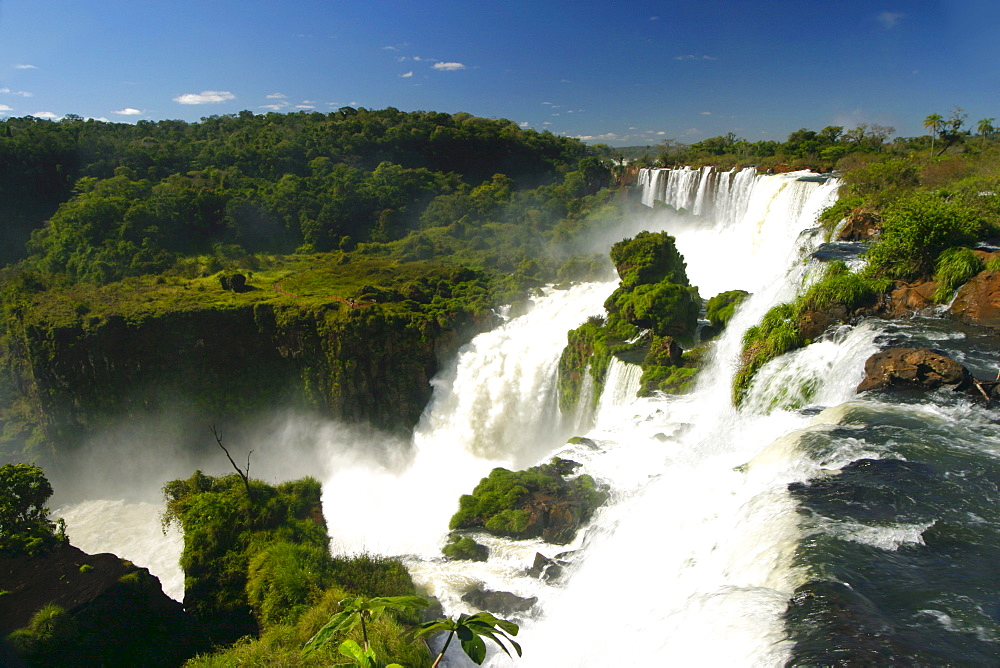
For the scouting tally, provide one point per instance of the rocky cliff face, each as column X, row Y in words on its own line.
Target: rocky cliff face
column 64, row 382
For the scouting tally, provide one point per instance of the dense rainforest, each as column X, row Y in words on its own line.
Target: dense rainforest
column 331, row 261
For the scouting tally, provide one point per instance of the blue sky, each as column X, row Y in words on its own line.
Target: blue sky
column 624, row 73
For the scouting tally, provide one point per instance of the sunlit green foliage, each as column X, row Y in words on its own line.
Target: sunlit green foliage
column 779, row 330
column 720, row 308
column 225, row 532
column 471, row 629
column 464, row 547
column 502, row 502
column 955, row 266
column 915, row 230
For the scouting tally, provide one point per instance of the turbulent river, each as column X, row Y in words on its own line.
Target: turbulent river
column 813, row 525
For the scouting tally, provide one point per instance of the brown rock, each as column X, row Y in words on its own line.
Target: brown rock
column 812, row 323
column 908, row 298
column 978, row 301
column 861, row 225
column 912, row 368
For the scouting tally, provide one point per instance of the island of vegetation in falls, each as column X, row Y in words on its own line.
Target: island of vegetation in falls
column 329, row 262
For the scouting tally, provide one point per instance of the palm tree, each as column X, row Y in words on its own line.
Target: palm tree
column 986, row 129
column 934, row 122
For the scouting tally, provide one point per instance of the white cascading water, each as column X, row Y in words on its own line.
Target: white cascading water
column 690, row 561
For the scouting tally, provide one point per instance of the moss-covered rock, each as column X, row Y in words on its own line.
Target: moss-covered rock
column 464, row 547
column 653, row 304
column 720, row 308
column 541, row 501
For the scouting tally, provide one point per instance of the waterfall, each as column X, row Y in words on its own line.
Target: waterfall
column 716, row 515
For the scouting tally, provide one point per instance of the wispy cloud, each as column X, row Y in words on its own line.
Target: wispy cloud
column 19, row 93
column 205, row 97
column 273, row 107
column 48, row 115
column 305, row 106
column 694, row 57
column 524, row 124
column 4, row 109
column 406, row 75
column 654, row 18
column 706, row 113
column 25, row 67
column 276, row 96
column 889, row 19
column 449, row 67
column 607, row 136
column 128, row 111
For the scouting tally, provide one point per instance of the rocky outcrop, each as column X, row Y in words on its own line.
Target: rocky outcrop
column 912, row 368
column 544, row 568
column 978, row 301
column 540, row 502
column 861, row 225
column 119, row 613
column 501, row 603
column 905, row 299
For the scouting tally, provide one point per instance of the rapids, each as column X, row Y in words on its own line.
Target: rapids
column 885, row 508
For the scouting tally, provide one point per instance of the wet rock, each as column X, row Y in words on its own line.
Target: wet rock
column 544, row 568
column 912, row 368
column 501, row 603
column 905, row 299
column 861, row 225
column 582, row 440
column 813, row 322
column 978, row 301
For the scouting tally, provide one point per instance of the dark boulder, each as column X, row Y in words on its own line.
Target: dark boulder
column 544, row 568
column 912, row 368
column 501, row 603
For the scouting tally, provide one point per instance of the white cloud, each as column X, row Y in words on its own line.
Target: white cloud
column 406, row 75
column 19, row 93
column 706, row 113
column 607, row 136
column 654, row 18
column 276, row 96
column 889, row 19
column 273, row 107
column 25, row 67
column 449, row 67
column 305, row 106
column 4, row 109
column 523, row 124
column 693, row 57
column 48, row 115
column 205, row 97
column 128, row 111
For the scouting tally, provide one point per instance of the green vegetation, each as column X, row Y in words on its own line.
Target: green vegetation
column 25, row 527
column 653, row 295
column 471, row 629
column 51, row 633
column 782, row 328
column 954, row 267
column 720, row 308
column 280, row 535
column 929, row 205
column 465, row 547
column 538, row 502
column 261, row 568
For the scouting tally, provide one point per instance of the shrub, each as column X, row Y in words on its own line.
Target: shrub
column 915, row 230
column 284, row 579
column 50, row 633
column 720, row 308
column 25, row 527
column 649, row 258
column 955, row 267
